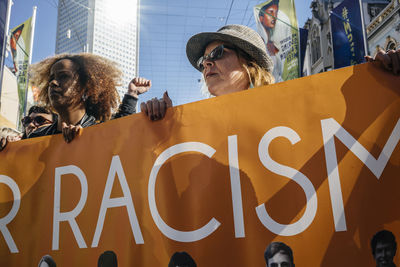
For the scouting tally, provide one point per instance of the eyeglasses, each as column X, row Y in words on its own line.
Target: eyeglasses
column 215, row 54
column 37, row 121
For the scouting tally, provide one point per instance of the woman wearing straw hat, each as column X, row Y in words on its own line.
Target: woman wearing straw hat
column 232, row 59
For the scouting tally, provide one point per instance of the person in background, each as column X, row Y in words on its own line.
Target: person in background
column 107, row 259
column 47, row 261
column 37, row 117
column 384, row 246
column 278, row 254
column 181, row 259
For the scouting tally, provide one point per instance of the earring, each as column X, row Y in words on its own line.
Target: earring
column 84, row 97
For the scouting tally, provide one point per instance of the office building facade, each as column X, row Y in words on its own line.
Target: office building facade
column 105, row 27
column 381, row 19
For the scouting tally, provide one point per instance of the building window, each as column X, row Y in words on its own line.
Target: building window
column 315, row 45
column 391, row 46
column 375, row 9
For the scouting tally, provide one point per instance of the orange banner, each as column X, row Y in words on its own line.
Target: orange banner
column 312, row 162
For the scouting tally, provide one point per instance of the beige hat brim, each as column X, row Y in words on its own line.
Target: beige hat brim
column 197, row 44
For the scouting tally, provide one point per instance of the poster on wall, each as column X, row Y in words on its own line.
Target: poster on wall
column 3, row 34
column 277, row 24
column 20, row 40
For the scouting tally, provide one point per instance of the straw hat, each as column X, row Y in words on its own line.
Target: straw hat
column 240, row 36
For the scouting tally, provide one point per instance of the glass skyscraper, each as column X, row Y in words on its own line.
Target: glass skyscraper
column 105, row 27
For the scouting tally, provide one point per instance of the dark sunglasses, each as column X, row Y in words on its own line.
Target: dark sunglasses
column 37, row 121
column 215, row 54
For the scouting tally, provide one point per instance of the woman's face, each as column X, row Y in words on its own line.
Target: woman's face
column 269, row 18
column 226, row 74
column 64, row 88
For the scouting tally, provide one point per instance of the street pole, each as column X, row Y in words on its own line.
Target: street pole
column 30, row 56
column 366, row 50
column 6, row 35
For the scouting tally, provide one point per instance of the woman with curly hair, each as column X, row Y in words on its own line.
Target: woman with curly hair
column 81, row 89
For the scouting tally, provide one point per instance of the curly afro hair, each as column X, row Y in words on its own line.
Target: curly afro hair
column 98, row 78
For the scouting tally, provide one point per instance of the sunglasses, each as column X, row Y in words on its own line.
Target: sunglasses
column 215, row 54
column 37, row 121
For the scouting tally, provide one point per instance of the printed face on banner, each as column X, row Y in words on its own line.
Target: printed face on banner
column 268, row 20
column 280, row 259
column 277, row 25
column 17, row 46
column 384, row 254
column 15, row 37
column 20, row 40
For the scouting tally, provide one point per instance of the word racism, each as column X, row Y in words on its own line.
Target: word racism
column 330, row 129
column 296, row 162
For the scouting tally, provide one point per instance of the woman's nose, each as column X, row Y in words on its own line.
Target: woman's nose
column 208, row 63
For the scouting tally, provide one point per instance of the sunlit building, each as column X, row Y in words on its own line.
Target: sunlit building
column 381, row 19
column 105, row 27
column 383, row 30
column 9, row 100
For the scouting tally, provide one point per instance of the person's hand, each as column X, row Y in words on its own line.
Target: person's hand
column 14, row 138
column 70, row 131
column 138, row 86
column 388, row 60
column 4, row 141
column 155, row 108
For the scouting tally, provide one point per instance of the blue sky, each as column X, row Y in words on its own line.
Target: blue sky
column 164, row 77
column 45, row 30
column 46, row 20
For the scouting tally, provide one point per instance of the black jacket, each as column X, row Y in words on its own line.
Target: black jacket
column 86, row 121
column 127, row 107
